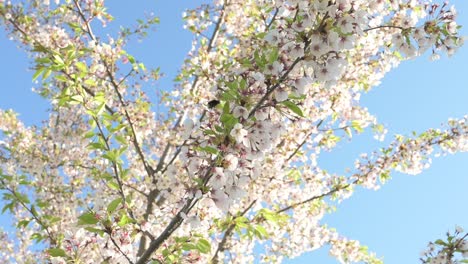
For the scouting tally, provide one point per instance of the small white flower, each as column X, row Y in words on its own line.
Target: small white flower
column 240, row 111
column 145, row 226
column 273, row 37
column 239, row 133
column 187, row 128
column 302, row 84
column 230, row 162
column 194, row 222
column 220, row 199
column 274, row 69
column 434, row 56
column 235, row 192
column 261, row 114
column 281, row 94
column 464, row 248
column 259, row 77
column 218, row 179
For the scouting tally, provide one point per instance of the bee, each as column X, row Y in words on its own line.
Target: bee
column 213, row 103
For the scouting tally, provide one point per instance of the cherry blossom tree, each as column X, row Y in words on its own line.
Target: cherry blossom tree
column 228, row 171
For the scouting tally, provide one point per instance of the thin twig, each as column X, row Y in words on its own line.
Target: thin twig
column 303, row 142
column 118, row 247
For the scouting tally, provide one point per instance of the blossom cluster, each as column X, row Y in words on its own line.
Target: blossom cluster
column 452, row 250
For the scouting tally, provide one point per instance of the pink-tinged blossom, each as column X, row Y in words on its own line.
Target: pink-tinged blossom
column 346, row 24
column 281, row 94
column 220, row 199
column 261, row 114
column 218, row 179
column 318, row 46
column 187, row 128
column 274, row 69
column 273, row 37
column 259, row 77
column 240, row 111
column 235, row 192
column 302, row 85
column 295, row 50
column 230, row 162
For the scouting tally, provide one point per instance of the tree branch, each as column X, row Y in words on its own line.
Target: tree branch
column 228, row 233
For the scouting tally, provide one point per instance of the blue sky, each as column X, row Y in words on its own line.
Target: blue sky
column 396, row 221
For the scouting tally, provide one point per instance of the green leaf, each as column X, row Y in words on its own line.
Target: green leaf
column 43, row 61
column 228, row 120
column 121, row 139
column 398, row 55
column 273, row 55
column 39, row 48
column 260, row 232
column 110, row 155
column 259, row 59
column 38, row 72
column 356, row 125
column 58, row 60
column 100, row 109
column 61, row 78
column 188, row 246
column 97, row 145
column 243, row 84
column 131, row 59
column 226, row 108
column 22, row 198
column 95, row 230
column 113, row 205
column 88, row 218
column 241, row 225
column 209, row 132
column 348, row 131
column 37, row 237
column 209, row 149
column 124, row 220
column 440, row 242
column 89, row 134
column 90, row 82
column 293, row 107
column 52, row 219
column 8, row 206
column 203, row 246
column 233, row 85
column 77, row 98
column 23, row 223
column 46, row 74
column 113, row 185
column 81, row 67
column 56, row 252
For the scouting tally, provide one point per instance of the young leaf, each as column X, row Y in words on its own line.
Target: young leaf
column 38, row 72
column 56, row 252
column 293, row 107
column 203, row 246
column 113, row 205
column 88, row 218
column 124, row 220
column 81, row 67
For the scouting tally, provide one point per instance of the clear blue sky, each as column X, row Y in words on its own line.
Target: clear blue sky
column 396, row 221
